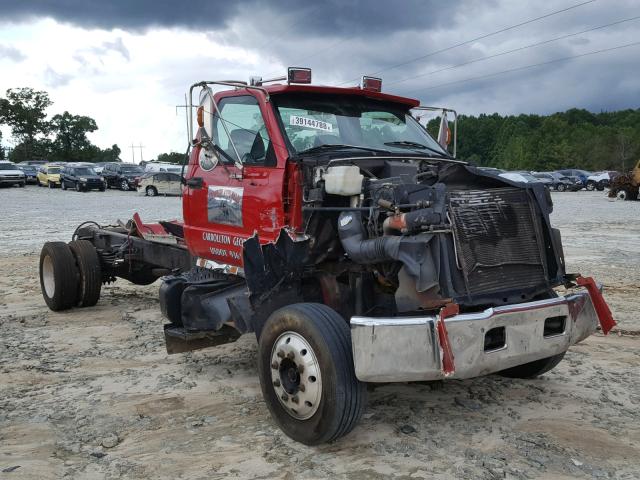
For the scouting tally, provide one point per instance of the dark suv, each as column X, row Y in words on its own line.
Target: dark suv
column 122, row 176
column 81, row 178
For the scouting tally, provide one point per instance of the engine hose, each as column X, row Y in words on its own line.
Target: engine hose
column 361, row 250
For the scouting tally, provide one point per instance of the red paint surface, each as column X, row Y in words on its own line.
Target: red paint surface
column 272, row 197
column 449, row 310
column 599, row 304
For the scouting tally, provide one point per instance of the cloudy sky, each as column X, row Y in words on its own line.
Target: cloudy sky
column 128, row 63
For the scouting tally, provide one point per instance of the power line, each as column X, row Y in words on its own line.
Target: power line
column 525, row 67
column 487, row 35
column 537, row 44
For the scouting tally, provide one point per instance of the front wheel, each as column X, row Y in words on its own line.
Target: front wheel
column 51, row 185
column 561, row 187
column 58, row 276
column 63, row 185
column 78, row 187
column 591, row 186
column 151, row 191
column 305, row 365
column 124, row 185
column 533, row 369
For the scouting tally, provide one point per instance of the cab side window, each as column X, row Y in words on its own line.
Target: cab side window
column 244, row 122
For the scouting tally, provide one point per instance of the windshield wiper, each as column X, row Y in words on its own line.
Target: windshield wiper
column 416, row 145
column 340, row 146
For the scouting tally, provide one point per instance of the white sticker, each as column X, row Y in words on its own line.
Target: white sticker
column 297, row 121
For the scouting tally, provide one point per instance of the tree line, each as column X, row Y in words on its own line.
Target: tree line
column 61, row 138
column 573, row 139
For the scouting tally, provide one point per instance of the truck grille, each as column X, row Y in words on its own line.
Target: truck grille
column 496, row 232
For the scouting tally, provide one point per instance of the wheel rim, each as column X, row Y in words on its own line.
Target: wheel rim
column 150, row 192
column 590, row 186
column 621, row 195
column 125, row 185
column 295, row 375
column 48, row 279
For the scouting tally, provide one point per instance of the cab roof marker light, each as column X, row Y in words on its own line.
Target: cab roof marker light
column 298, row 75
column 372, row 84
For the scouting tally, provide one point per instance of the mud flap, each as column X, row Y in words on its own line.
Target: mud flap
column 179, row 340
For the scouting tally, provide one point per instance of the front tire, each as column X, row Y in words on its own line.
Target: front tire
column 78, row 187
column 533, row 369
column 305, row 365
column 151, row 191
column 51, row 185
column 561, row 187
column 90, row 279
column 63, row 185
column 124, row 185
column 591, row 186
column 58, row 276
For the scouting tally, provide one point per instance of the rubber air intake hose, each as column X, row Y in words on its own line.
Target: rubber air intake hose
column 362, row 250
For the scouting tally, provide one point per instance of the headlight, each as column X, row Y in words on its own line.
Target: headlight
column 83, row 179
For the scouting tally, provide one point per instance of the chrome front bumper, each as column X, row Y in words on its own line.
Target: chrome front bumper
column 401, row 349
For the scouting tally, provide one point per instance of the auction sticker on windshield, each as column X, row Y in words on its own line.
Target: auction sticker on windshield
column 297, row 121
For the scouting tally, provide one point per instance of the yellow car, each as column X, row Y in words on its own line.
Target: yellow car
column 49, row 176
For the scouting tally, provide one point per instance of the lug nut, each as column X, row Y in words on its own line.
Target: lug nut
column 302, row 388
column 276, row 383
column 284, row 397
column 280, row 353
column 300, row 369
column 291, row 355
column 275, row 365
column 294, row 399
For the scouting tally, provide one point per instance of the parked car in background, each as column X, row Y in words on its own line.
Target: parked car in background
column 162, row 167
column 575, row 172
column 35, row 163
column 81, row 178
column 122, row 175
column 520, row 177
column 30, row 173
column 600, row 180
column 556, row 181
column 164, row 183
column 49, row 176
column 11, row 175
column 99, row 167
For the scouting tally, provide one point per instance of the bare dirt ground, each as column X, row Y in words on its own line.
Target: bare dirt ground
column 91, row 393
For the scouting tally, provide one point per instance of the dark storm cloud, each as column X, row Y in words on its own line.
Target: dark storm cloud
column 354, row 17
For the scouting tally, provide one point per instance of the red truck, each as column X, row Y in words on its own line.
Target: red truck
column 355, row 247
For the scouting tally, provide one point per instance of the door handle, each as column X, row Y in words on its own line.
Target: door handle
column 195, row 182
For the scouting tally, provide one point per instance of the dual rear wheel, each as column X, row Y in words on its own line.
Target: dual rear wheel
column 70, row 274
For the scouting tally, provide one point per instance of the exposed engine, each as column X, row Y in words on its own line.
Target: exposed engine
column 417, row 235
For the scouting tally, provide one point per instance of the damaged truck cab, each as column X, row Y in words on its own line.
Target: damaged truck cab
column 329, row 223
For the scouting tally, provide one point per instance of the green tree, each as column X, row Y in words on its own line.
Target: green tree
column 24, row 110
column 172, row 157
column 71, row 142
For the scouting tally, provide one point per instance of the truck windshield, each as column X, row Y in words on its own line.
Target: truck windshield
column 312, row 121
column 84, row 171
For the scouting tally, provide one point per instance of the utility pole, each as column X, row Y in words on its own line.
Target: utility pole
column 133, row 152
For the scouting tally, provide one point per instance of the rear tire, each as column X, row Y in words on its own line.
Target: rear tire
column 151, row 191
column 591, row 185
column 90, row 279
column 58, row 276
column 533, row 369
column 316, row 399
column 561, row 187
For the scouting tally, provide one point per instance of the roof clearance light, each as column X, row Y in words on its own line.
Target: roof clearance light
column 371, row 83
column 299, row 75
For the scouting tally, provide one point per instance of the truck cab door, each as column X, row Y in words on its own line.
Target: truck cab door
column 232, row 204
